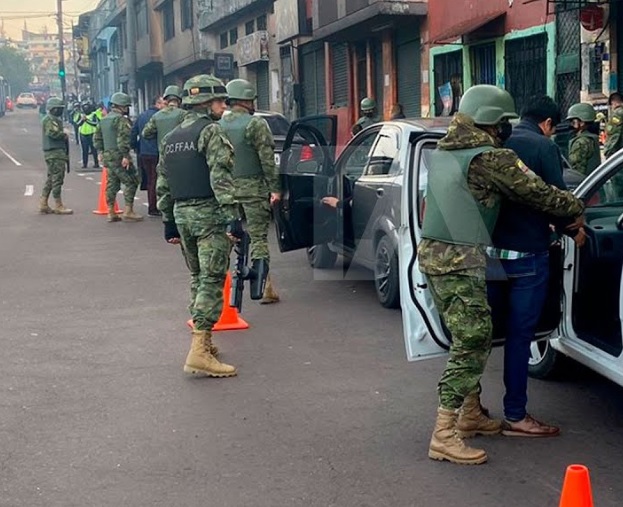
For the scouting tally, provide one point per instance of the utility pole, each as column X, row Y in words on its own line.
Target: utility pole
column 61, row 49
column 131, row 61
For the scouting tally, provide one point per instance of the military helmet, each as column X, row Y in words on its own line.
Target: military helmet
column 203, row 88
column 367, row 105
column 121, row 99
column 54, row 103
column 241, row 89
column 487, row 105
column 172, row 91
column 583, row 112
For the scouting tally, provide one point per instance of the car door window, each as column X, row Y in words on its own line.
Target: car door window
column 384, row 156
column 423, row 167
column 356, row 156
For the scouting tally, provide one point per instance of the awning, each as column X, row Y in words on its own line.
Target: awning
column 467, row 26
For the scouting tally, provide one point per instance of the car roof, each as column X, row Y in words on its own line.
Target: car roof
column 439, row 124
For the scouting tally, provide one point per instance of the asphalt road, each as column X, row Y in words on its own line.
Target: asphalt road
column 326, row 411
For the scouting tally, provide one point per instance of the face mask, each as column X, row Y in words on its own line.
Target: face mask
column 505, row 130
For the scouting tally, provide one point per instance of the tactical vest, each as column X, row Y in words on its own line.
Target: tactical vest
column 365, row 121
column 166, row 120
column 595, row 161
column 187, row 170
column 109, row 134
column 48, row 142
column 453, row 215
column 247, row 162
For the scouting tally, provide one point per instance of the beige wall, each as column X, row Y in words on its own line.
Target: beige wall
column 149, row 46
column 183, row 49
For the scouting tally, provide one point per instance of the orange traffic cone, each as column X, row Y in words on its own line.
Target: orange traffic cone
column 576, row 490
column 102, row 206
column 229, row 319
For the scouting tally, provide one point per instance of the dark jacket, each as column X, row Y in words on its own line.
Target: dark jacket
column 145, row 146
column 518, row 227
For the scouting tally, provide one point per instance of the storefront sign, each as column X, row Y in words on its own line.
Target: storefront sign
column 253, row 48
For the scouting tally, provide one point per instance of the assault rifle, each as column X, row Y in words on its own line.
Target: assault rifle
column 67, row 151
column 241, row 272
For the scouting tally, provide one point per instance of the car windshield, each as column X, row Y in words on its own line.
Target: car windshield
column 27, row 95
column 278, row 125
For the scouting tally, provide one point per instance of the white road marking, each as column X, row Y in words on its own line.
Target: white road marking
column 80, row 174
column 89, row 178
column 30, row 189
column 10, row 157
column 25, row 130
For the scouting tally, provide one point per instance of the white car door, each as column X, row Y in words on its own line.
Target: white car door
column 424, row 333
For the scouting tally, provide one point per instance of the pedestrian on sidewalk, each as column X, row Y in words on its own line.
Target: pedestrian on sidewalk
column 56, row 158
column 112, row 140
column 147, row 151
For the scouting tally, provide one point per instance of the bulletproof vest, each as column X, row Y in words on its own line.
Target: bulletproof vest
column 48, row 142
column 595, row 160
column 453, row 215
column 365, row 121
column 187, row 170
column 166, row 120
column 247, row 162
column 109, row 134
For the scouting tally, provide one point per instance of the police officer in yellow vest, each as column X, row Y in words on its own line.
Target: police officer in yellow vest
column 112, row 138
column 584, row 149
column 87, row 125
column 255, row 178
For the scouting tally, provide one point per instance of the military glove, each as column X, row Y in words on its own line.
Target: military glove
column 170, row 231
column 235, row 229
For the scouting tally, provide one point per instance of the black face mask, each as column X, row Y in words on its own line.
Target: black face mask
column 505, row 130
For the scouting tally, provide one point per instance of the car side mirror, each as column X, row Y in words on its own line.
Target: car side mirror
column 620, row 222
column 307, row 167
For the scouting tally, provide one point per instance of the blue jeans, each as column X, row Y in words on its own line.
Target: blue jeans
column 517, row 296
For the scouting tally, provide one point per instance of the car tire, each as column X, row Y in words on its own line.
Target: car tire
column 545, row 362
column 386, row 276
column 321, row 257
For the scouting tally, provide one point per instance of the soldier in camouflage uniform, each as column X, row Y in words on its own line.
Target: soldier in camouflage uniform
column 56, row 157
column 584, row 150
column 469, row 176
column 255, row 178
column 112, row 139
column 368, row 115
column 196, row 196
column 169, row 117
column 614, row 127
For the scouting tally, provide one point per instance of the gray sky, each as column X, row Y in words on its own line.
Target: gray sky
column 15, row 8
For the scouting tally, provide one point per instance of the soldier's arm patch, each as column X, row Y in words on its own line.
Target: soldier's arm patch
column 522, row 167
column 616, row 120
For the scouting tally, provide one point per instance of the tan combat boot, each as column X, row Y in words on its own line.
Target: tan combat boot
column 270, row 294
column 112, row 215
column 129, row 215
column 44, row 209
column 446, row 444
column 60, row 209
column 473, row 421
column 201, row 362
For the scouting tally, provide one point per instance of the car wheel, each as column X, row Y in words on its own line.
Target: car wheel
column 386, row 279
column 321, row 257
column 544, row 362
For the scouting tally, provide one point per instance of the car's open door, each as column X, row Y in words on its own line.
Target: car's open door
column 306, row 174
column 424, row 333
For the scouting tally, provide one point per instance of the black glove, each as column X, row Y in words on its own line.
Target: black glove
column 170, row 231
column 235, row 229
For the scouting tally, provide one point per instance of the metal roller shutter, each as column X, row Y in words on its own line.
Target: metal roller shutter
column 314, row 90
column 408, row 72
column 263, row 89
column 340, row 74
column 321, row 93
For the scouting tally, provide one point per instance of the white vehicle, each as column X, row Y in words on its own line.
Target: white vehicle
column 582, row 318
column 26, row 100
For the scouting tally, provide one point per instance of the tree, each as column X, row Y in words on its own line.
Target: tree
column 15, row 69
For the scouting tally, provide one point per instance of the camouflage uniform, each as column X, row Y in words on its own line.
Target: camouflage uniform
column 55, row 159
column 117, row 174
column 584, row 153
column 614, row 131
column 252, row 191
column 202, row 224
column 456, row 272
column 362, row 123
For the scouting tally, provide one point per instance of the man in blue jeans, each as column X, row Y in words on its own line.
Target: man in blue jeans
column 518, row 274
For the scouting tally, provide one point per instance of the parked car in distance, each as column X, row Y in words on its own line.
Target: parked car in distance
column 370, row 174
column 27, row 99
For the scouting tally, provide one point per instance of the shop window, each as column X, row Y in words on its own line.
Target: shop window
column 142, row 18
column 262, row 22
column 168, row 20
column 223, row 40
column 483, row 64
column 186, row 8
column 595, row 83
column 249, row 27
column 233, row 36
